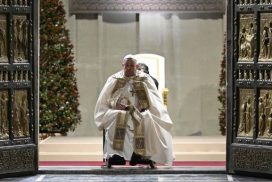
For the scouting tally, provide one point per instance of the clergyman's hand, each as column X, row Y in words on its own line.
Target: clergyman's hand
column 120, row 106
column 136, row 114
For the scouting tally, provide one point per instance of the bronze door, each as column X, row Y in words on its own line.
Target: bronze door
column 249, row 88
column 18, row 87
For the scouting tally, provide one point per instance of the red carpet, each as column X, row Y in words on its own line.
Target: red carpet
column 97, row 163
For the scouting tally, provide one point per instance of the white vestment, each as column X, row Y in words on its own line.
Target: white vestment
column 157, row 123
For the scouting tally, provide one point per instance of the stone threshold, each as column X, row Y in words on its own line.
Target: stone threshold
column 129, row 170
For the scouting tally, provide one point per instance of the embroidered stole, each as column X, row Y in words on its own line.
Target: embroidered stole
column 123, row 116
column 120, row 130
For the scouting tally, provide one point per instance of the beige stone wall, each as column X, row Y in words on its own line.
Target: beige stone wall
column 191, row 45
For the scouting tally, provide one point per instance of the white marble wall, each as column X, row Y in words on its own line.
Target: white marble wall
column 191, row 45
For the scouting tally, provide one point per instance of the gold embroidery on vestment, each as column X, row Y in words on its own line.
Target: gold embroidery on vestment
column 139, row 141
column 121, row 82
column 141, row 94
column 120, row 130
column 122, row 118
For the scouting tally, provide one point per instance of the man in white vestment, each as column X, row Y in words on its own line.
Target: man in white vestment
column 136, row 122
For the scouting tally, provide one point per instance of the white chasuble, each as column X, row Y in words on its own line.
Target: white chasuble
column 144, row 129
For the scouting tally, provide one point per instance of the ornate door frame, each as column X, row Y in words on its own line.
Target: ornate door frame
column 249, row 87
column 19, row 87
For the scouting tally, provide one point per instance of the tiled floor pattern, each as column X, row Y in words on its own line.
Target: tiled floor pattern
column 135, row 178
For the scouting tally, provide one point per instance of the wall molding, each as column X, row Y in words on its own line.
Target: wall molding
column 137, row 6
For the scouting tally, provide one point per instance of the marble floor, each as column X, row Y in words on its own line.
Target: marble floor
column 133, row 174
column 134, row 178
column 190, row 148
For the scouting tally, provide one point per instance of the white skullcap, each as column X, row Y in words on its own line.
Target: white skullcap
column 129, row 56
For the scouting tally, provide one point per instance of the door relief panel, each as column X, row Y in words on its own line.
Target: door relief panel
column 3, row 39
column 246, row 114
column 265, row 114
column 4, row 128
column 20, row 126
column 265, row 37
column 20, row 39
column 246, row 44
